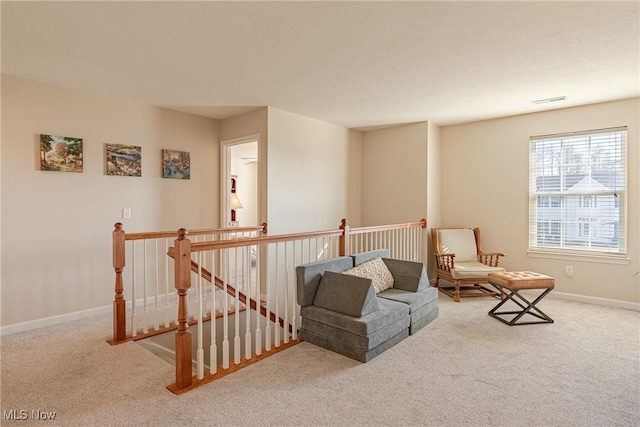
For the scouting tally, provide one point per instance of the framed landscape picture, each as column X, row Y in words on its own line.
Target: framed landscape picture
column 60, row 153
column 176, row 164
column 124, row 160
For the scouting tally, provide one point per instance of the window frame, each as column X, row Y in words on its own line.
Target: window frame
column 590, row 198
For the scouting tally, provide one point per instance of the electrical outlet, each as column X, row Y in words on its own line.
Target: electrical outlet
column 126, row 213
column 568, row 270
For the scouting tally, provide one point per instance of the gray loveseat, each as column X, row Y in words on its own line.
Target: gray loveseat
column 342, row 313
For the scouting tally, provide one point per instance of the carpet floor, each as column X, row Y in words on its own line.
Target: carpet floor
column 464, row 369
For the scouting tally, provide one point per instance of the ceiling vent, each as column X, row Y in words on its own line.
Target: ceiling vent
column 547, row 100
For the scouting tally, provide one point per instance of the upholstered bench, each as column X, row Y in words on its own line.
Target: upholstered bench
column 509, row 283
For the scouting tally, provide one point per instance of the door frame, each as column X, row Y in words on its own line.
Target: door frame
column 225, row 176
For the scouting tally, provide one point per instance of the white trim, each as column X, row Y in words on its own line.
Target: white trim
column 63, row 318
column 77, row 315
column 605, row 259
column 596, row 301
column 225, row 174
column 54, row 320
column 587, row 299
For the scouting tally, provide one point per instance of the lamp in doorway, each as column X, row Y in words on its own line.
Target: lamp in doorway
column 235, row 204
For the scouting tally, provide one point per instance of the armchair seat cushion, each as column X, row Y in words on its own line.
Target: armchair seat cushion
column 473, row 270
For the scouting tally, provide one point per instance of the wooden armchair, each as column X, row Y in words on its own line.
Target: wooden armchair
column 460, row 261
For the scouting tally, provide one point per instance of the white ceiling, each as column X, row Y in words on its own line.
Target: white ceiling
column 356, row 64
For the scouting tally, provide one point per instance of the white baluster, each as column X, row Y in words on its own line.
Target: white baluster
column 293, row 302
column 145, row 314
column 192, row 310
column 258, row 303
column 134, row 314
column 225, row 315
column 277, row 299
column 167, row 313
column 156, row 314
column 236, row 316
column 213, row 348
column 394, row 238
column 286, row 295
column 405, row 246
column 200, row 351
column 246, row 270
column 267, row 329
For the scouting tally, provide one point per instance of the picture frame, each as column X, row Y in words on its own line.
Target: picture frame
column 61, row 153
column 123, row 160
column 176, row 164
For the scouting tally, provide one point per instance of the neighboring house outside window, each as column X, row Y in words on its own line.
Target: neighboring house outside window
column 577, row 193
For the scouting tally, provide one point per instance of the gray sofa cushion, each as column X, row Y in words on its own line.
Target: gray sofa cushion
column 350, row 295
column 407, row 275
column 388, row 313
column 344, row 348
column 376, row 270
column 368, row 256
column 308, row 276
column 422, row 304
column 414, row 300
column 363, row 342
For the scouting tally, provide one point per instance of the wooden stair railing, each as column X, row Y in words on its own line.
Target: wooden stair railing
column 231, row 291
column 119, row 239
column 185, row 380
column 403, row 241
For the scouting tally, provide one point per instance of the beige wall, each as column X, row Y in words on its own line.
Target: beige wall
column 313, row 174
column 485, row 168
column 56, row 227
column 401, row 177
column 394, row 174
column 434, row 192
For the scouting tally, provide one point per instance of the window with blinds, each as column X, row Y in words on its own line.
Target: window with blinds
column 577, row 192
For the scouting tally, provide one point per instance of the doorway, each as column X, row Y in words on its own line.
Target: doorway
column 239, row 189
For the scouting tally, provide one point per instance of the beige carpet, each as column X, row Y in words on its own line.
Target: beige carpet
column 464, row 369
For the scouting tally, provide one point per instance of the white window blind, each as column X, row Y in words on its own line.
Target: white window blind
column 577, row 192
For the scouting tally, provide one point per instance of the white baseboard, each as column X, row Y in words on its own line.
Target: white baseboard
column 54, row 320
column 586, row 299
column 597, row 301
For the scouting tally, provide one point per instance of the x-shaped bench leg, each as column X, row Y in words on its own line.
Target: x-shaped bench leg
column 527, row 307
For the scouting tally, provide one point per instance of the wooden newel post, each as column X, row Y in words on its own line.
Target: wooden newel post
column 182, row 251
column 119, row 305
column 345, row 246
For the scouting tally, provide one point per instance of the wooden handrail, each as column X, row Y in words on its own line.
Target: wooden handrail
column 119, row 237
column 160, row 234
column 360, row 230
column 261, row 240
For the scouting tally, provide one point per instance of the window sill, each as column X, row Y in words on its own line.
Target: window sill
column 605, row 259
